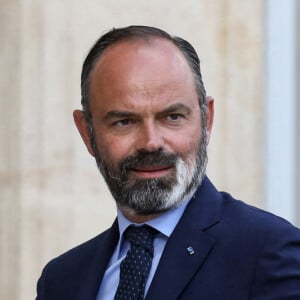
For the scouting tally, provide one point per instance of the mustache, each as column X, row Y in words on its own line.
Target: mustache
column 145, row 159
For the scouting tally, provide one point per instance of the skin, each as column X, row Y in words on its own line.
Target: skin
column 143, row 98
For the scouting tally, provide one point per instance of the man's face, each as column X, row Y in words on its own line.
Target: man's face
column 147, row 135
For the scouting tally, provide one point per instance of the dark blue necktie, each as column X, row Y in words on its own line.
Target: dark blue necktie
column 135, row 268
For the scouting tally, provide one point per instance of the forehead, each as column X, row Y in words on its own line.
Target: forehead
column 148, row 66
column 136, row 47
column 138, row 54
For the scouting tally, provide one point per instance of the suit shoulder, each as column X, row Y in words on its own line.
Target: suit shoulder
column 270, row 247
column 61, row 275
column 75, row 256
column 243, row 215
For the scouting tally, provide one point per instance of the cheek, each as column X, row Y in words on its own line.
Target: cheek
column 187, row 144
column 112, row 150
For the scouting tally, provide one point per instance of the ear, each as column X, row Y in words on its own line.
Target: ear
column 209, row 116
column 83, row 129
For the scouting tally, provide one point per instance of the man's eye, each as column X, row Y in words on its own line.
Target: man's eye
column 175, row 117
column 124, row 122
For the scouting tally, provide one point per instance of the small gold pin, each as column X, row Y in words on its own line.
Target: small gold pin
column 190, row 250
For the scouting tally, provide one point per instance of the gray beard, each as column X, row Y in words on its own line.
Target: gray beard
column 152, row 196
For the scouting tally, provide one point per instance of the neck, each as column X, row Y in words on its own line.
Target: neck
column 135, row 218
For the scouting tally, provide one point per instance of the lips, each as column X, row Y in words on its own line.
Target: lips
column 151, row 171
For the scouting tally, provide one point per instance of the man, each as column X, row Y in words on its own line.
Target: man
column 147, row 121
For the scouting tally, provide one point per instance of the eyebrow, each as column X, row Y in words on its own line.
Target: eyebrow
column 116, row 114
column 177, row 107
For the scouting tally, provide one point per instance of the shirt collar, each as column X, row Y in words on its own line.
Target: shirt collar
column 164, row 223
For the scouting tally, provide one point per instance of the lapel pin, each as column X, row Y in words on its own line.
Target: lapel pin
column 190, row 250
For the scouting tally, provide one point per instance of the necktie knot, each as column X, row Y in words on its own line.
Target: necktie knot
column 142, row 236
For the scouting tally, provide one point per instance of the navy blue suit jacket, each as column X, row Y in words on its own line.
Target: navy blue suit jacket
column 241, row 252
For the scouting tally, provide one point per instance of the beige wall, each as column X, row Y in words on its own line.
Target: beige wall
column 51, row 195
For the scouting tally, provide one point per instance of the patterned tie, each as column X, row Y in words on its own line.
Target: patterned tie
column 135, row 268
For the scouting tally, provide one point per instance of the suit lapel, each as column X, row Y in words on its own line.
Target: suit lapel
column 178, row 264
column 92, row 273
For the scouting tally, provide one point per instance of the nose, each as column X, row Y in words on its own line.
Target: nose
column 150, row 138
